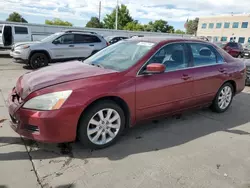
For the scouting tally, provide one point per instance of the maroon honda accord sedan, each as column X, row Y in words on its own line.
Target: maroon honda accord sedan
column 128, row 82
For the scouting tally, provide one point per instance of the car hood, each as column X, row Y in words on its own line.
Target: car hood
column 57, row 74
column 25, row 43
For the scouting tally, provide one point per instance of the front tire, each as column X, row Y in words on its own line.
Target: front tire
column 101, row 125
column 223, row 98
column 38, row 60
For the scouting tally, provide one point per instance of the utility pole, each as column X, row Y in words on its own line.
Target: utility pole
column 100, row 8
column 116, row 17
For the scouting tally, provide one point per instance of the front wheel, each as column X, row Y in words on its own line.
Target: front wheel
column 223, row 98
column 101, row 125
column 38, row 60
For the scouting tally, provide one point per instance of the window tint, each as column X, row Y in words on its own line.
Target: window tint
column 203, row 54
column 241, row 40
column 66, row 39
column 211, row 26
column 80, row 38
column 204, row 26
column 172, row 56
column 223, row 39
column 235, row 24
column 21, row 30
column 233, row 45
column 91, row 39
column 226, row 25
column 244, row 25
column 218, row 25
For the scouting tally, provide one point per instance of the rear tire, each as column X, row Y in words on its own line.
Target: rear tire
column 38, row 60
column 223, row 98
column 98, row 132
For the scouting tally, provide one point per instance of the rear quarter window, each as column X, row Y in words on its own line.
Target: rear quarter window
column 21, row 30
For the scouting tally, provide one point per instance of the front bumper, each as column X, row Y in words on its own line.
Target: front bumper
column 56, row 126
column 20, row 54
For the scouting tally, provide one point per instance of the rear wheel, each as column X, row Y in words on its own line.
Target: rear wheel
column 101, row 125
column 223, row 98
column 39, row 60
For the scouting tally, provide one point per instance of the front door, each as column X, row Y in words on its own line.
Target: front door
column 209, row 72
column 63, row 47
column 168, row 92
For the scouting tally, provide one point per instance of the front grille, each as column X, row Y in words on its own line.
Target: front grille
column 31, row 128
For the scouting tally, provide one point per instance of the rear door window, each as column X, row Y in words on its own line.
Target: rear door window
column 21, row 30
column 204, row 55
column 80, row 38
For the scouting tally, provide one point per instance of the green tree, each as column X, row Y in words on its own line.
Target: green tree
column 123, row 18
column 178, row 31
column 159, row 26
column 134, row 26
column 16, row 17
column 58, row 21
column 94, row 22
column 192, row 26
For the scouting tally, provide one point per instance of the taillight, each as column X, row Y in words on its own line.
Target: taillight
column 107, row 43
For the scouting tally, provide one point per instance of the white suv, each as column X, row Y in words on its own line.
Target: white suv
column 66, row 45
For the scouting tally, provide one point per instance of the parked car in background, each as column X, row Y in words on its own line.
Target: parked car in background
column 11, row 34
column 62, row 46
column 234, row 49
column 246, row 51
column 114, row 39
column 135, row 36
column 126, row 83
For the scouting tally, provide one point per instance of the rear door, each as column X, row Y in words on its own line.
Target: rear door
column 209, row 71
column 84, row 45
column 21, row 34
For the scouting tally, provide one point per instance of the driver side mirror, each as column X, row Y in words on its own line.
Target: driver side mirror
column 154, row 68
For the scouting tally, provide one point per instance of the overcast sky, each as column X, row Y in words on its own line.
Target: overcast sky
column 79, row 12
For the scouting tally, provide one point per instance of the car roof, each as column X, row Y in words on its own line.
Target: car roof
column 165, row 39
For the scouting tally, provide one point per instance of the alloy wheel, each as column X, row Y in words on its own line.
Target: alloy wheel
column 225, row 97
column 104, row 126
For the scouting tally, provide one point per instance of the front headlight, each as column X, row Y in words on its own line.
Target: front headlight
column 50, row 101
column 25, row 46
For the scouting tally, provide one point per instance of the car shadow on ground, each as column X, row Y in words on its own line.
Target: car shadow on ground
column 148, row 137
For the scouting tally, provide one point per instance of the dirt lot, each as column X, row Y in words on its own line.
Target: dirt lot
column 199, row 149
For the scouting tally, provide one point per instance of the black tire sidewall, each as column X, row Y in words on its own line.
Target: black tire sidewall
column 34, row 56
column 215, row 105
column 86, row 116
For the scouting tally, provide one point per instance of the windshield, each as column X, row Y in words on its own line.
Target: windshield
column 120, row 56
column 51, row 37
